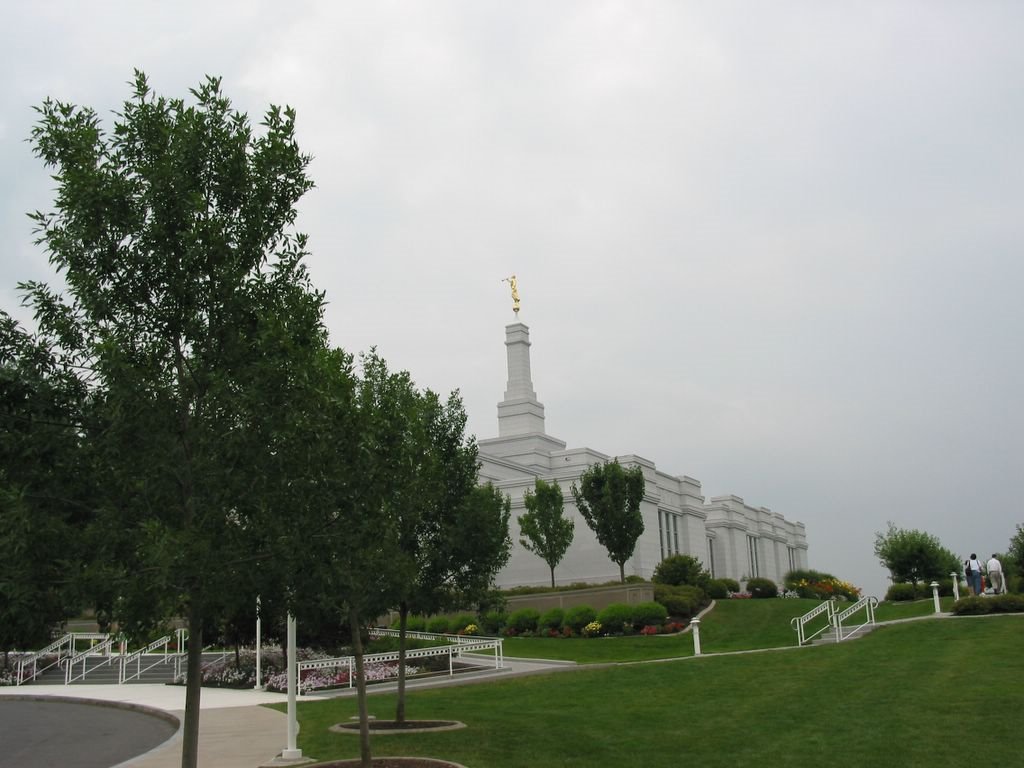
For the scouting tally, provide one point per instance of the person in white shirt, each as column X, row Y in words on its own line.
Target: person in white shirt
column 972, row 570
column 995, row 575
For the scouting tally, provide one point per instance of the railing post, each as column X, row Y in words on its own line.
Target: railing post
column 935, row 595
column 258, row 627
column 292, row 752
column 695, row 623
column 956, row 584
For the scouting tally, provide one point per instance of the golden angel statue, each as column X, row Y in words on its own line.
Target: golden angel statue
column 514, row 285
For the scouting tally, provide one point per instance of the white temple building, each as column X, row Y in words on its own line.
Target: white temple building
column 730, row 537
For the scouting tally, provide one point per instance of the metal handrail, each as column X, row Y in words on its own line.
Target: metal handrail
column 136, row 658
column 82, row 656
column 455, row 639
column 68, row 640
column 800, row 622
column 868, row 604
column 452, row 651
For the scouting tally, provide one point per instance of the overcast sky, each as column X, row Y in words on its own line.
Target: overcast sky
column 772, row 246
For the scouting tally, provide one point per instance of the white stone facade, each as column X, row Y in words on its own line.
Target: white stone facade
column 731, row 538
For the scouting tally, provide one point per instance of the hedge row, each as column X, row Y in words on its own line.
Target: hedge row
column 973, row 606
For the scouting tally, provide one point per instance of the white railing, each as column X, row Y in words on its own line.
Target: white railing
column 866, row 604
column 136, row 659
column 28, row 666
column 462, row 645
column 83, row 656
column 799, row 624
column 454, row 639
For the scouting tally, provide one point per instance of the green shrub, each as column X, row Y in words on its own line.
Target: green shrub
column 634, row 579
column 491, row 623
column 648, row 614
column 680, row 602
column 615, row 618
column 524, row 620
column 898, row 593
column 551, row 619
column 731, row 584
column 679, row 570
column 717, row 589
column 459, row 623
column 760, row 588
column 438, row 625
column 974, row 606
column 577, row 617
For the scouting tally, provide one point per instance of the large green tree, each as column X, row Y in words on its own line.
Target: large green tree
column 609, row 497
column 443, row 481
column 545, row 530
column 187, row 301
column 360, row 452
column 913, row 556
column 44, row 488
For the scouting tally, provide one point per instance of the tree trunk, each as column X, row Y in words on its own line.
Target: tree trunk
column 552, row 576
column 364, row 718
column 622, row 572
column 403, row 619
column 193, row 688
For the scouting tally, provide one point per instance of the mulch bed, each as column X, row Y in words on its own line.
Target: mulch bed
column 409, row 726
column 393, row 762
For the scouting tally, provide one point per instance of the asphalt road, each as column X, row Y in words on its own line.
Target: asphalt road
column 58, row 734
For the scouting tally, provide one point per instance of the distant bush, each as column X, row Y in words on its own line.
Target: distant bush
column 899, row 593
column 634, row 579
column 648, row 614
column 578, row 616
column 973, row 606
column 615, row 618
column 680, row 602
column 458, row 623
column 416, row 623
column 679, row 570
column 731, row 584
column 920, row 591
column 761, row 588
column 551, row 619
column 717, row 589
column 492, row 622
column 523, row 620
column 438, row 625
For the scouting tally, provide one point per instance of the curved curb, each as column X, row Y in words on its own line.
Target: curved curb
column 356, row 761
column 144, row 709
column 353, row 728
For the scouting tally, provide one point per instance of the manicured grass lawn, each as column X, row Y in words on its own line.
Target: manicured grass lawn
column 915, row 694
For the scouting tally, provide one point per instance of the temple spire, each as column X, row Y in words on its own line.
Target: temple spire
column 519, row 413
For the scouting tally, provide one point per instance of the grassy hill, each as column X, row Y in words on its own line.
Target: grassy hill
column 924, row 693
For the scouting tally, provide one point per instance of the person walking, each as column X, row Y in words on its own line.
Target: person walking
column 995, row 575
column 972, row 570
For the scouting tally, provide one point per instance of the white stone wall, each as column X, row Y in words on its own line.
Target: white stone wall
column 677, row 517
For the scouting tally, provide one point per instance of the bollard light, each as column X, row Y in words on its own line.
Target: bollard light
column 695, row 623
column 956, row 584
column 935, row 595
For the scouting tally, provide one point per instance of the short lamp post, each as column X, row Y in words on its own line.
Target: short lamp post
column 956, row 584
column 935, row 595
column 695, row 623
